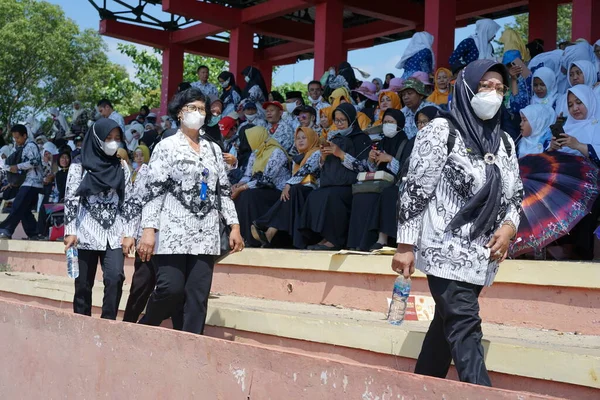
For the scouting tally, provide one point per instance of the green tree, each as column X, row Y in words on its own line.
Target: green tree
column 294, row 86
column 148, row 76
column 46, row 61
column 521, row 25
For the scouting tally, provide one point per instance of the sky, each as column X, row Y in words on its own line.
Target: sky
column 377, row 60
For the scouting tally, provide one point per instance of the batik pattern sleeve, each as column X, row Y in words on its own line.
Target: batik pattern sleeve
column 158, row 183
column 513, row 212
column 519, row 101
column 354, row 164
column 30, row 158
column 311, row 167
column 425, row 170
column 130, row 212
column 274, row 175
column 227, row 211
column 72, row 201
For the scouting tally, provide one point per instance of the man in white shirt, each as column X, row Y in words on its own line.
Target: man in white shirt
column 202, row 84
column 105, row 108
column 315, row 96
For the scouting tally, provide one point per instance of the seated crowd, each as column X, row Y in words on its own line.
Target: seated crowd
column 320, row 170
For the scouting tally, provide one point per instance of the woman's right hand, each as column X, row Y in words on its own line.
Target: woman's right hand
column 70, row 241
column 373, row 156
column 404, row 260
column 285, row 193
column 554, row 145
column 146, row 244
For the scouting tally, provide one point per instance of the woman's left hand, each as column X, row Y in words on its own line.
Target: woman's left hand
column 127, row 245
column 237, row 191
column 334, row 149
column 383, row 157
column 14, row 169
column 236, row 242
column 568, row 141
column 500, row 242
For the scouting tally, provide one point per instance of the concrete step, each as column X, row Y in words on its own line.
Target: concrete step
column 562, row 296
column 544, row 362
column 53, row 354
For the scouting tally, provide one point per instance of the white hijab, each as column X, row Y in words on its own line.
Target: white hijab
column 576, row 52
column 550, row 59
column 590, row 74
column 587, row 130
column 547, row 76
column 597, row 58
column 540, row 117
column 485, row 30
column 76, row 113
column 419, row 41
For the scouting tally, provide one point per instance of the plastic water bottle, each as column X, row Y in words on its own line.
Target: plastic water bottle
column 399, row 300
column 72, row 263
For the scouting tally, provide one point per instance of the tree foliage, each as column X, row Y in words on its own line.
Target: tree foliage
column 294, row 86
column 565, row 12
column 47, row 61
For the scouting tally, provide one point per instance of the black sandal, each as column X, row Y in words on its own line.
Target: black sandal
column 259, row 235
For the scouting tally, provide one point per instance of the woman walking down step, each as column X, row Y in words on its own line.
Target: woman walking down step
column 180, row 217
column 459, row 209
column 98, row 220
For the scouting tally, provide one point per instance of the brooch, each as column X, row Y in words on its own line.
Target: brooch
column 489, row 158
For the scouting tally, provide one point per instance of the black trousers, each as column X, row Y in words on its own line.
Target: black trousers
column 26, row 200
column 142, row 286
column 181, row 279
column 454, row 334
column 111, row 261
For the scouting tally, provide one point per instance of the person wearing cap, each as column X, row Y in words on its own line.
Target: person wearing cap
column 279, row 128
column 151, row 118
column 418, row 55
column 293, row 100
column 306, row 116
column 424, row 78
column 315, row 96
column 413, row 95
column 366, row 99
column 228, row 128
column 203, row 84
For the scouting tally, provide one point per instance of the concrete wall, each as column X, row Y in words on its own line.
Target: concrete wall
column 52, row 354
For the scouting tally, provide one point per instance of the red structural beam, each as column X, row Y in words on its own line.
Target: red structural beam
column 134, row 33
column 401, row 12
column 271, row 9
column 286, row 29
column 208, row 48
column 475, row 8
column 372, row 30
column 194, row 33
column 215, row 14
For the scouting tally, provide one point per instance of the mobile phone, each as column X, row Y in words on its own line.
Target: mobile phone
column 557, row 129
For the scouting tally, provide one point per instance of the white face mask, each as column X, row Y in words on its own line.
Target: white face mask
column 193, row 119
column 163, row 125
column 332, row 72
column 390, row 130
column 247, row 78
column 290, row 107
column 110, row 148
column 225, row 84
column 251, row 117
column 313, row 101
column 486, row 104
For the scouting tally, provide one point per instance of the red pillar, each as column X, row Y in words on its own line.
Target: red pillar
column 329, row 36
column 266, row 69
column 586, row 14
column 241, row 51
column 543, row 17
column 172, row 74
column 440, row 21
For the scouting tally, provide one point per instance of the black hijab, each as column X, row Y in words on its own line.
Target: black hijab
column 345, row 70
column 103, row 172
column 360, row 140
column 225, row 75
column 256, row 78
column 430, row 112
column 391, row 145
column 244, row 149
column 61, row 174
column 481, row 137
column 350, row 112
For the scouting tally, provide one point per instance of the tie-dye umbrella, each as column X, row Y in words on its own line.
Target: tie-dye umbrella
column 560, row 189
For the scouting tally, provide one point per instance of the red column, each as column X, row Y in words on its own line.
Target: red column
column 329, row 36
column 440, row 21
column 542, row 22
column 241, row 51
column 586, row 14
column 172, row 74
column 266, row 69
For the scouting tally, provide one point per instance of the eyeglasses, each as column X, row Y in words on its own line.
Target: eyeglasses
column 303, row 117
column 421, row 124
column 487, row 86
column 340, row 121
column 193, row 108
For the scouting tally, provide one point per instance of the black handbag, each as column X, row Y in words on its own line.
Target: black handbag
column 224, row 229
